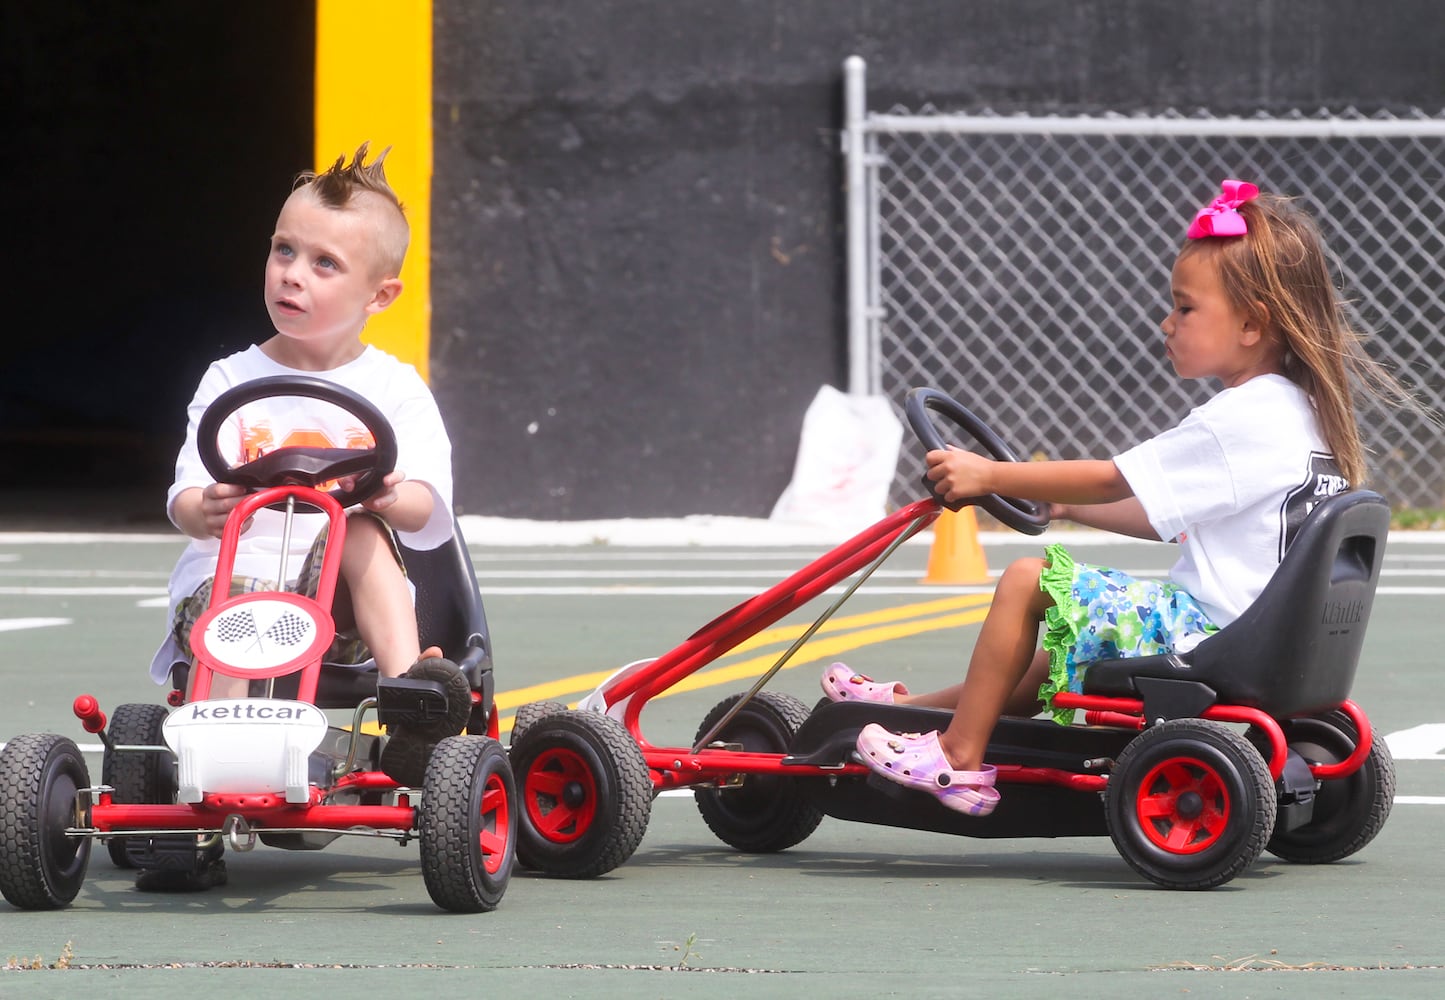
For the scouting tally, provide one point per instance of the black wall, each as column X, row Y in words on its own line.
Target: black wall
column 638, row 260
column 638, row 269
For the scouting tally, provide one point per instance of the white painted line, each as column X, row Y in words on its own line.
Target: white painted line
column 491, row 573
column 80, row 591
column 1424, row 742
column 687, row 532
column 489, row 557
column 156, row 596
column 86, row 538
column 627, row 590
column 501, row 573
column 630, row 590
column 86, row 574
column 486, row 577
column 15, row 624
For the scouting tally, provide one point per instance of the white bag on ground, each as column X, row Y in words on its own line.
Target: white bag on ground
column 846, row 461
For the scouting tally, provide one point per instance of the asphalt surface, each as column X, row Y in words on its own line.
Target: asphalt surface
column 855, row 910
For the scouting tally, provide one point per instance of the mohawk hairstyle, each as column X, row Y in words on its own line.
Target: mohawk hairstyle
column 339, row 185
column 336, row 186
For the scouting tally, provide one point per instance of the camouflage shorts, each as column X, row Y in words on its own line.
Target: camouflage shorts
column 347, row 647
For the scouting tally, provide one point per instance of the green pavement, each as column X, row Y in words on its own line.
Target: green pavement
column 854, row 911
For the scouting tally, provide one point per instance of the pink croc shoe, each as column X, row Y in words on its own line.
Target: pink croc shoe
column 917, row 761
column 842, row 684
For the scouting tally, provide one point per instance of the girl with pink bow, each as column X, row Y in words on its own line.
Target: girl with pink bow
column 1255, row 307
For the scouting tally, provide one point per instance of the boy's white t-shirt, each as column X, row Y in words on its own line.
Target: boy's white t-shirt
column 392, row 386
column 1232, row 483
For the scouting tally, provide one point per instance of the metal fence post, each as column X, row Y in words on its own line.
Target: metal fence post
column 860, row 362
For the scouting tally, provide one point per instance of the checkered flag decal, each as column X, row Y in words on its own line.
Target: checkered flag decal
column 289, row 630
column 260, row 634
column 236, row 627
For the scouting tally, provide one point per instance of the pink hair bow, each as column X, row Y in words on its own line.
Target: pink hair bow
column 1221, row 216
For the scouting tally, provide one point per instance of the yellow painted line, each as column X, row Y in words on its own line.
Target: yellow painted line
column 826, row 649
column 860, row 630
column 902, row 613
column 897, row 623
column 582, row 684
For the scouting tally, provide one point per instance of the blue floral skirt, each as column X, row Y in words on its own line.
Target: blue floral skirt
column 1103, row 614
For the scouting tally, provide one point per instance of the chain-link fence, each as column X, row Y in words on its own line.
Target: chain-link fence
column 1022, row 265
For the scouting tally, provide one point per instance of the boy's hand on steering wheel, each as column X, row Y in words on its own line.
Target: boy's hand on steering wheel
column 217, row 502
column 383, row 498
column 958, row 474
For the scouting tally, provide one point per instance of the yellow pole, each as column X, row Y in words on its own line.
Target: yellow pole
column 374, row 84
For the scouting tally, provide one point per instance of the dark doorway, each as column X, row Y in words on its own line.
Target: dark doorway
column 150, row 148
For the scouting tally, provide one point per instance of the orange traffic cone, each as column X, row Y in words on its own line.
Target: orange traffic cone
column 956, row 555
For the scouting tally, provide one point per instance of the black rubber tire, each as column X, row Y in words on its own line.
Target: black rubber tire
column 40, row 867
column 1348, row 811
column 467, row 823
column 586, row 794
column 136, row 776
column 1190, row 804
column 764, row 813
column 528, row 715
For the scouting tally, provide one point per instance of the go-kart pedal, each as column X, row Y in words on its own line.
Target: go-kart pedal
column 422, row 707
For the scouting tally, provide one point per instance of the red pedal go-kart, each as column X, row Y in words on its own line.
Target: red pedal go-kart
column 1193, row 763
column 181, row 784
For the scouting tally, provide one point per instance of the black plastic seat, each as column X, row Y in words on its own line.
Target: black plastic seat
column 449, row 615
column 1294, row 651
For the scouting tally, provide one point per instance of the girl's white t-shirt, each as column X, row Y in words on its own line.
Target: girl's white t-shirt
column 392, row 386
column 1232, row 483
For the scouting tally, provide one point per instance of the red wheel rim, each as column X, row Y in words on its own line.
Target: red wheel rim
column 1182, row 806
column 561, row 796
column 496, row 823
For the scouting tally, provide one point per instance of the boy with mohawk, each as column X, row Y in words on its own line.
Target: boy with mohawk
column 334, row 262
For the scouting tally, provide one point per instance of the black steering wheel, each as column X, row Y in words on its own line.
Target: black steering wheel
column 301, row 465
column 1026, row 516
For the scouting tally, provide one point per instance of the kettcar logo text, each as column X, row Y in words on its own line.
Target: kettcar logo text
column 201, row 712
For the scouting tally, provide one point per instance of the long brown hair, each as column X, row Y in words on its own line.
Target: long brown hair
column 1279, row 274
